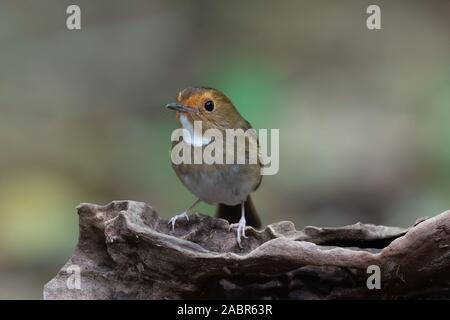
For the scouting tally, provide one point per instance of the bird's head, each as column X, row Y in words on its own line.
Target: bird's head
column 208, row 105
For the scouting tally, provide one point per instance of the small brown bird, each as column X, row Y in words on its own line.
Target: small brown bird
column 226, row 185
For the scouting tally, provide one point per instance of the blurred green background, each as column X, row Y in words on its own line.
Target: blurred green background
column 363, row 115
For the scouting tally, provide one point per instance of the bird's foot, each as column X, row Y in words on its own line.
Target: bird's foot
column 240, row 232
column 175, row 218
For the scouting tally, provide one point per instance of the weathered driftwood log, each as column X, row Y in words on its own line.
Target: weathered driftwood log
column 126, row 251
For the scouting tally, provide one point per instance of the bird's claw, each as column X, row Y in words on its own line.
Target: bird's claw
column 240, row 232
column 175, row 218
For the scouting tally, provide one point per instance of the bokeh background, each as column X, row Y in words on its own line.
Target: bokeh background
column 363, row 115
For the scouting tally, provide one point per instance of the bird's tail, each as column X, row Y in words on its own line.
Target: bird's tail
column 233, row 213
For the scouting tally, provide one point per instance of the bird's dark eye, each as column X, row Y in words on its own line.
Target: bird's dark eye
column 209, row 105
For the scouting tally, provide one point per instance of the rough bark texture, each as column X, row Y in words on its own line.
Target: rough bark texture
column 126, row 251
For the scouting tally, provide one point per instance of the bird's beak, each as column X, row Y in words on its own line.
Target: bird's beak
column 179, row 107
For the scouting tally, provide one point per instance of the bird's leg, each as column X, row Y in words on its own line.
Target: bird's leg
column 181, row 215
column 240, row 226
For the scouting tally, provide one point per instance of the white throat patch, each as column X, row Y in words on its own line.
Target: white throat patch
column 192, row 139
